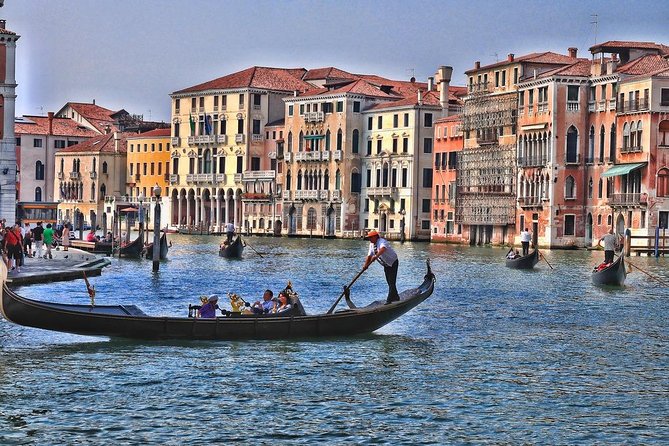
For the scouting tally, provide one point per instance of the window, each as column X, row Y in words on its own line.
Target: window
column 394, row 145
column 240, row 126
column 569, row 224
column 405, row 176
column 602, row 134
column 241, row 101
column 406, row 119
column 240, row 163
column 572, row 93
column 58, row 144
column 256, row 126
column 37, row 142
column 355, row 182
column 572, row 145
column 515, row 75
column 663, row 182
column 255, row 163
column 427, row 177
column 340, row 140
column 356, row 106
column 104, row 167
column 370, row 123
column 379, row 146
column 405, row 145
column 426, row 205
column 427, row 120
column 590, row 188
column 38, row 194
column 503, row 78
column 355, row 143
column 290, row 110
column 369, row 178
column 427, row 145
column 369, row 147
column 664, row 100
column 496, row 78
column 396, row 121
column 569, row 188
column 425, row 224
column 340, row 106
column 256, row 100
column 379, row 122
column 39, row 170
column 600, row 188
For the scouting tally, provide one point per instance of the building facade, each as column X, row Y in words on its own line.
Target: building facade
column 8, row 174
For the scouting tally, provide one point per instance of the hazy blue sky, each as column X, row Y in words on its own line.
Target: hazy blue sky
column 132, row 54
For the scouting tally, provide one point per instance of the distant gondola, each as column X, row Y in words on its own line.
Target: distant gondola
column 524, row 262
column 128, row 321
column 164, row 248
column 133, row 249
column 614, row 274
column 233, row 250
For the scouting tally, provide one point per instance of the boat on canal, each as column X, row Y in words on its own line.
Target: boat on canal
column 164, row 248
column 129, row 321
column 133, row 249
column 524, row 262
column 233, row 250
column 614, row 274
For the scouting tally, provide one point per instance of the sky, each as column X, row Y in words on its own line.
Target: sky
column 131, row 54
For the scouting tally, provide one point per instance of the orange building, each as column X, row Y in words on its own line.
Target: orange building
column 148, row 163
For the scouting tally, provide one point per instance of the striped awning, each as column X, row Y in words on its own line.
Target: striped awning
column 622, row 169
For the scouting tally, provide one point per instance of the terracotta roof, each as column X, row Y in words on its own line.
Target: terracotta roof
column 39, row 125
column 622, row 44
column 644, row 65
column 101, row 144
column 156, row 133
column 547, row 57
column 580, row 68
column 278, row 123
column 328, row 73
column 452, row 118
column 429, row 98
column 279, row 79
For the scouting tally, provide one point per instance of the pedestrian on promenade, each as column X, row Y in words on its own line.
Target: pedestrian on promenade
column 27, row 241
column 39, row 241
column 380, row 249
column 525, row 239
column 48, row 240
column 65, row 238
column 14, row 246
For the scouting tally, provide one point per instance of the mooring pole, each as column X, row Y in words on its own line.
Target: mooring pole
column 156, row 230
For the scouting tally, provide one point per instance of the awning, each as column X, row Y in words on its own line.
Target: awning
column 314, row 137
column 622, row 169
column 534, row 126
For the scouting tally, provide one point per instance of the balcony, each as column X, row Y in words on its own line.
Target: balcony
column 222, row 139
column 325, row 155
column 529, row 202
column 257, row 138
column 286, row 195
column 381, row 191
column 532, row 161
column 75, row 175
column 287, row 156
column 314, row 117
column 201, row 139
column 542, row 107
column 633, row 105
column 220, row 177
column 336, row 195
column 61, row 175
column 237, row 178
column 573, row 106
column 200, row 178
column 627, row 199
column 308, row 156
column 175, row 141
column 259, row 175
column 174, row 179
column 601, row 105
column 337, row 155
column 612, row 104
column 589, row 160
column 306, row 195
column 591, row 106
column 486, row 139
column 631, row 150
column 572, row 159
column 256, row 196
column 239, row 138
column 323, row 195
column 93, row 175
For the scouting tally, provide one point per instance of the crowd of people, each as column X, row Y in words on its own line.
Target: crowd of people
column 268, row 305
column 18, row 242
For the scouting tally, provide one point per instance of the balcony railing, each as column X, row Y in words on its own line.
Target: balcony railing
column 239, row 138
column 627, row 199
column 573, row 106
column 75, row 175
column 220, row 177
column 336, row 195
column 532, row 161
column 175, row 141
column 287, row 156
column 174, row 179
column 200, row 178
column 286, row 195
column 325, row 155
column 259, row 175
column 308, row 156
column 306, row 195
column 381, row 191
column 323, row 195
column 530, row 201
column 572, row 159
column 222, row 139
column 542, row 107
column 631, row 149
column 591, row 106
column 633, row 105
column 201, row 139
column 337, row 155
column 61, row 175
column 257, row 138
column 601, row 105
column 237, row 178
column 612, row 104
column 314, row 116
column 94, row 175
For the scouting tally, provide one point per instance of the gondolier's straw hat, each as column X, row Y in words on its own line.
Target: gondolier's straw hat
column 371, row 234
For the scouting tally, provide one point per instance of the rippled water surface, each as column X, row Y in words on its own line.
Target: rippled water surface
column 495, row 355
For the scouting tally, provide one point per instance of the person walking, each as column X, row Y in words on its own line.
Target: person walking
column 27, row 241
column 610, row 242
column 14, row 246
column 37, row 237
column 48, row 240
column 525, row 239
column 65, row 237
column 380, row 249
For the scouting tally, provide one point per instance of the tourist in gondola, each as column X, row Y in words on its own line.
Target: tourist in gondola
column 267, row 304
column 525, row 239
column 208, row 310
column 380, row 249
column 512, row 254
column 283, row 304
column 610, row 243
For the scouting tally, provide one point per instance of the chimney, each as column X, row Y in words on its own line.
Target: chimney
column 443, row 81
column 420, row 97
column 412, row 80
column 572, row 52
column 477, row 64
column 117, row 142
column 510, row 57
column 3, row 23
column 93, row 101
column 294, row 93
column 430, row 83
column 50, row 115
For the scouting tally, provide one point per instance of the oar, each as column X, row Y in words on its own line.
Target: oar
column 253, row 249
column 544, row 257
column 334, row 305
column 663, row 282
column 90, row 289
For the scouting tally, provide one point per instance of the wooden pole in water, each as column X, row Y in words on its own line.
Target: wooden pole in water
column 156, row 230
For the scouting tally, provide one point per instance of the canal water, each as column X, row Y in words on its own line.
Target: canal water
column 495, row 355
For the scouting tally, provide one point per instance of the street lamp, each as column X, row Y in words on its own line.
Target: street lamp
column 140, row 198
column 402, row 224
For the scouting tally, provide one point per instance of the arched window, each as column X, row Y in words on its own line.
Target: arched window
column 290, row 141
column 572, row 145
column 339, row 139
column 626, row 136
column 602, row 133
column 93, row 191
column 103, row 191
column 356, row 181
column 38, row 194
column 39, row 170
column 633, row 141
column 104, row 167
column 591, row 145
column 569, row 187
column 326, row 181
column 327, row 140
column 590, row 187
column 95, row 162
column 288, row 177
column 207, row 161
column 639, row 128
column 300, row 142
column 599, row 219
column 600, row 188
column 299, row 180
column 663, row 137
column 612, row 143
column 355, row 142
column 337, row 180
column 663, row 182
column 311, row 218
column 385, row 175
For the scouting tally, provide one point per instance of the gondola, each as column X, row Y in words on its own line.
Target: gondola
column 164, row 248
column 133, row 249
column 614, row 274
column 524, row 262
column 234, row 250
column 128, row 321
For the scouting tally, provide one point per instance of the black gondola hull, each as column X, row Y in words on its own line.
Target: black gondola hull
column 133, row 249
column 613, row 275
column 234, row 250
column 526, row 262
column 130, row 322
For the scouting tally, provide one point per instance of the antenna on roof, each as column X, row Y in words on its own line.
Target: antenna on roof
column 595, row 22
column 41, row 110
column 496, row 57
column 411, row 72
column 149, row 114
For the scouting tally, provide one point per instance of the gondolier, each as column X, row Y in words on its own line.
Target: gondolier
column 610, row 242
column 380, row 249
column 525, row 238
column 229, row 231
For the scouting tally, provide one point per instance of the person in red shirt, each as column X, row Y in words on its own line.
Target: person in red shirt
column 14, row 246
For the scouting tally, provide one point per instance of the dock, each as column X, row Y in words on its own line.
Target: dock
column 65, row 265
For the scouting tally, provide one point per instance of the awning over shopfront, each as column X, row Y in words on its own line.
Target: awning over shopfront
column 622, row 169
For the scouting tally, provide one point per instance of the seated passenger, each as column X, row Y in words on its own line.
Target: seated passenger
column 512, row 255
column 208, row 310
column 283, row 304
column 91, row 236
column 266, row 305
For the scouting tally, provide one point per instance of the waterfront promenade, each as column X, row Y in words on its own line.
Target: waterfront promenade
column 63, row 266
column 494, row 356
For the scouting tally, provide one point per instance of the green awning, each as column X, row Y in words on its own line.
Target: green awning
column 314, row 136
column 622, row 169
